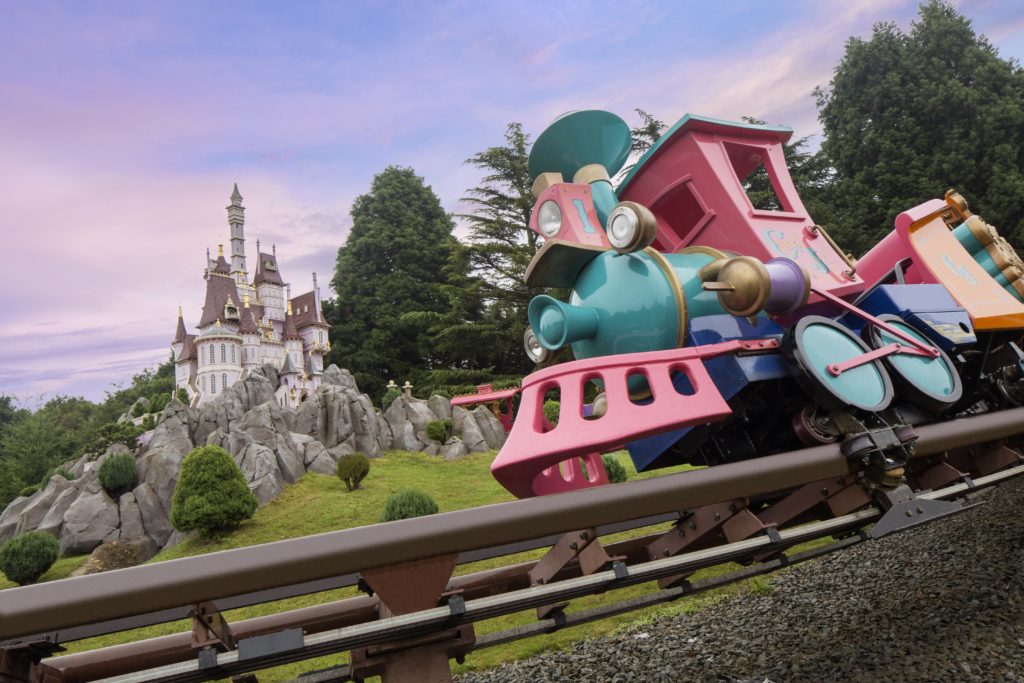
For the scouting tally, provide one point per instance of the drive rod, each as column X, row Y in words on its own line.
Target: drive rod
column 147, row 588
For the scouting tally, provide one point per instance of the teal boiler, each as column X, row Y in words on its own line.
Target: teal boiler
column 628, row 303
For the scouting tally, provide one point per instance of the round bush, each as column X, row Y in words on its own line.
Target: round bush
column 117, row 474
column 408, row 504
column 148, row 423
column 25, row 558
column 439, row 430
column 62, row 471
column 211, row 495
column 551, row 409
column 614, row 469
column 389, row 397
column 138, row 409
column 352, row 468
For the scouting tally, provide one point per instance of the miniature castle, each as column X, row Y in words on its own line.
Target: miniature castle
column 245, row 325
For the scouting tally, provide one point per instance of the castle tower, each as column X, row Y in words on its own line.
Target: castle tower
column 236, row 219
column 250, row 338
column 178, row 345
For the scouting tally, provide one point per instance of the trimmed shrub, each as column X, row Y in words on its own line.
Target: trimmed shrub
column 138, row 410
column 352, row 468
column 182, row 395
column 389, row 397
column 439, row 430
column 62, row 471
column 614, row 469
column 500, row 384
column 29, row 490
column 408, row 504
column 211, row 495
column 551, row 409
column 112, row 432
column 25, row 558
column 117, row 474
column 159, row 402
column 148, row 423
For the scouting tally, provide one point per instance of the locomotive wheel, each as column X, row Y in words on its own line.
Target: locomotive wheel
column 929, row 383
column 816, row 342
column 812, row 429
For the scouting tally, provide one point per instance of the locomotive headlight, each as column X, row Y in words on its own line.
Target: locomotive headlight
column 534, row 351
column 631, row 227
column 550, row 218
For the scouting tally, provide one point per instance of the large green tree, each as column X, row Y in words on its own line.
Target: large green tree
column 502, row 245
column 908, row 115
column 393, row 262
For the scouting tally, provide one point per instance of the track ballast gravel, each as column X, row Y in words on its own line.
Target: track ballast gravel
column 942, row 602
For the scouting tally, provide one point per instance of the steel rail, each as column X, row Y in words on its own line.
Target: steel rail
column 126, row 592
column 294, row 590
column 427, row 621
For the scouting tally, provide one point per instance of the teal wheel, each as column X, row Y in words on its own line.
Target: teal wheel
column 814, row 344
column 929, row 383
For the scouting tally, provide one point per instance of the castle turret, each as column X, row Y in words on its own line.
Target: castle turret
column 178, row 344
column 236, row 219
column 270, row 286
column 250, row 338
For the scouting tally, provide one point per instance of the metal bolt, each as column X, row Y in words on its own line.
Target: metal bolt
column 693, row 525
column 718, row 516
column 585, row 535
column 574, row 546
column 909, row 513
column 824, row 491
column 920, row 510
column 665, row 552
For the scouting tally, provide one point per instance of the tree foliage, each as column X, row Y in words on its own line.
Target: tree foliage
column 25, row 558
column 211, row 495
column 392, row 263
column 117, row 474
column 908, row 115
column 407, row 504
column 352, row 468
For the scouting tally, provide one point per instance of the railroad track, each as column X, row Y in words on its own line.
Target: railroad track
column 718, row 517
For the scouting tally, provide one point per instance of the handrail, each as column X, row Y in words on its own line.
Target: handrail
column 126, row 592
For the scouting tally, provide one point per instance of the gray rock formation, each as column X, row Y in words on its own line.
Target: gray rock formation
column 160, row 463
column 273, row 446
column 34, row 512
column 155, row 517
column 11, row 517
column 90, row 520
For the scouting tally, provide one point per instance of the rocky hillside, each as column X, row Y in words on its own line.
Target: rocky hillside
column 272, row 445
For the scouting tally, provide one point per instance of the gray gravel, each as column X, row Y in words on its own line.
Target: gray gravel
column 944, row 602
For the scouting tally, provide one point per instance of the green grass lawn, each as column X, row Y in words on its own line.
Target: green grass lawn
column 320, row 503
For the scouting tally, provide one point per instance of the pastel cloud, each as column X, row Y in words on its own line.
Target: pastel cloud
column 123, row 126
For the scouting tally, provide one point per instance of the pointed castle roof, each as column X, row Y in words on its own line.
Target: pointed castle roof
column 236, row 196
column 248, row 324
column 219, row 290
column 221, row 267
column 290, row 331
column 181, row 332
column 267, row 271
column 288, row 368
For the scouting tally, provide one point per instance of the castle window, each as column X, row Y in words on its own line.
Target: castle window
column 233, row 354
column 213, row 358
column 203, row 382
column 224, row 380
column 213, row 384
column 223, row 353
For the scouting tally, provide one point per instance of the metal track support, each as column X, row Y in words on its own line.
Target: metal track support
column 403, row 589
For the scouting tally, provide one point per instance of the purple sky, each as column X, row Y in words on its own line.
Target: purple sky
column 124, row 125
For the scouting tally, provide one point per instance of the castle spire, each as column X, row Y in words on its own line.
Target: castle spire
column 180, row 333
column 236, row 219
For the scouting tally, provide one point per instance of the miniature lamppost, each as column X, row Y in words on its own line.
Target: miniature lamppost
column 407, row 388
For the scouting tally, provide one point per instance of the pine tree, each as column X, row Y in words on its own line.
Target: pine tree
column 392, row 263
column 909, row 115
column 502, row 245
